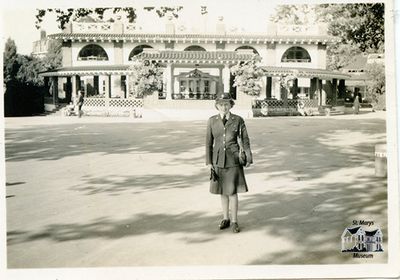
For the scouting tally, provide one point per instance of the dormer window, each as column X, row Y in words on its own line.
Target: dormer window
column 92, row 52
column 296, row 54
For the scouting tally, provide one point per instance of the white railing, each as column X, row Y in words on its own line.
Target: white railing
column 113, row 102
column 92, row 27
column 132, row 28
column 299, row 30
column 113, row 107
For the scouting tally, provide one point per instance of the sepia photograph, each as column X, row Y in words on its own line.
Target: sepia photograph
column 199, row 140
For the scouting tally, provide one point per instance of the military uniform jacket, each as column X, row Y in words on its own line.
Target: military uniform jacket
column 222, row 148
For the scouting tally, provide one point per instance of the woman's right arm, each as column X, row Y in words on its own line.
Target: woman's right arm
column 209, row 144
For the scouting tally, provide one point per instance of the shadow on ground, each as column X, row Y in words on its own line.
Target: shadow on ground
column 305, row 150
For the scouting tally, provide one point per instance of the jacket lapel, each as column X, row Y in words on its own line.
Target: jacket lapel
column 230, row 120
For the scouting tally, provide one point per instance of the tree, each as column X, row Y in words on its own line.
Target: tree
column 247, row 76
column 28, row 73
column 24, row 87
column 53, row 57
column 295, row 14
column 339, row 55
column 376, row 85
column 359, row 27
column 10, row 60
column 65, row 16
column 146, row 77
column 361, row 24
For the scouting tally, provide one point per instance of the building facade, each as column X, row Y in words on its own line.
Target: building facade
column 41, row 47
column 356, row 239
column 97, row 56
column 359, row 81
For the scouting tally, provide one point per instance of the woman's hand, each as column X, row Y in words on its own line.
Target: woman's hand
column 248, row 164
column 210, row 166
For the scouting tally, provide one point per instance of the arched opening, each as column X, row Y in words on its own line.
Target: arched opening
column 248, row 48
column 296, row 54
column 138, row 50
column 92, row 52
column 195, row 49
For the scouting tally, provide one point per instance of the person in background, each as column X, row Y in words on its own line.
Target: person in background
column 222, row 157
column 356, row 104
column 80, row 103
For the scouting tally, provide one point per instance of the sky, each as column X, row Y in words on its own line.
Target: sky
column 18, row 16
column 18, row 21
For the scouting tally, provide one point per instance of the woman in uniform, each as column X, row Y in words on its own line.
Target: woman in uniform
column 222, row 157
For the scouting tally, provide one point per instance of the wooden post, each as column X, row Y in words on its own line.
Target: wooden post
column 269, row 88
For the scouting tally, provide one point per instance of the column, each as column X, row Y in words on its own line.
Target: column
column 115, row 86
column 285, row 97
column 334, row 92
column 52, row 88
column 342, row 89
column 108, row 95
column 321, row 56
column 126, row 94
column 175, row 84
column 74, row 89
column 277, row 88
column 232, row 87
column 313, row 87
column 226, row 73
column 271, row 54
column 168, row 81
column 66, row 50
column 220, row 88
column 118, row 53
column 294, row 88
column 269, row 88
column 318, row 90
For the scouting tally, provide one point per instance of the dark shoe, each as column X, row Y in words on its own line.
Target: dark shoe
column 224, row 224
column 235, row 227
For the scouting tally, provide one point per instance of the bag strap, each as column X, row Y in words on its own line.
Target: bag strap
column 240, row 137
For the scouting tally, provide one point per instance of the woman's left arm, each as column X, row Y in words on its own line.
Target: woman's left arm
column 246, row 142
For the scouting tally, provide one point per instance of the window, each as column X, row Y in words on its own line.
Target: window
column 92, row 52
column 195, row 48
column 296, row 54
column 196, row 85
column 248, row 48
column 138, row 50
column 182, row 87
column 206, row 86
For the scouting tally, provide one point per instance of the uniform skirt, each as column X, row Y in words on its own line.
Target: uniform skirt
column 230, row 181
